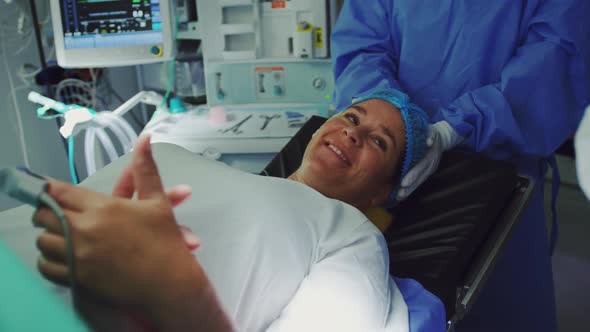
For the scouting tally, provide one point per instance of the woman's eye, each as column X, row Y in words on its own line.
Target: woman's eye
column 352, row 118
column 380, row 143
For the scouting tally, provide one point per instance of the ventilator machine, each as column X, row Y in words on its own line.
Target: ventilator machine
column 266, row 70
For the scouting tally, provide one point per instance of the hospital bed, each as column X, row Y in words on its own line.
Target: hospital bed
column 449, row 233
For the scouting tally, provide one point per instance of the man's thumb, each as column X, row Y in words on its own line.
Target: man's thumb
column 145, row 172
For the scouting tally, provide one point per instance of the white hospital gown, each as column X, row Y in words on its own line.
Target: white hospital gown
column 281, row 256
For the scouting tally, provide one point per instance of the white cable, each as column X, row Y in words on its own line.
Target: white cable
column 90, row 148
column 129, row 136
column 107, row 144
column 89, row 151
column 15, row 104
column 106, row 121
column 128, row 146
column 27, row 72
column 121, row 130
column 92, row 74
column 25, row 45
column 20, row 23
column 21, row 30
column 128, row 129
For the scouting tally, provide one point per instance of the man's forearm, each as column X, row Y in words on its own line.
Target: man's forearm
column 189, row 304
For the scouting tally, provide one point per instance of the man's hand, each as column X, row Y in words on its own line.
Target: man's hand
column 129, row 252
column 177, row 195
column 120, row 245
column 441, row 137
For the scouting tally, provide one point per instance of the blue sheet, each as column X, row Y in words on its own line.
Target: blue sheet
column 426, row 312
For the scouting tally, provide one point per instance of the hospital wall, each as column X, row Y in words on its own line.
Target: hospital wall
column 44, row 151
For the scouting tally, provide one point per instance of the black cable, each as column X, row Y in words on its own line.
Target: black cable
column 44, row 73
column 47, row 200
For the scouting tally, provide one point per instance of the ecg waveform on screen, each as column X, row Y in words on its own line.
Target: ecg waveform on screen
column 99, row 17
column 92, row 1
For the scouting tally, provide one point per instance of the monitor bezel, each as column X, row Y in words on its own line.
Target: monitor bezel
column 117, row 56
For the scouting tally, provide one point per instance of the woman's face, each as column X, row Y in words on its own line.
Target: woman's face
column 354, row 156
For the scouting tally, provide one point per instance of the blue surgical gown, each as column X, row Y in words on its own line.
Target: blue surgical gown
column 512, row 77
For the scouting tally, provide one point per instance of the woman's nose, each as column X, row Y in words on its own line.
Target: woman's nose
column 352, row 134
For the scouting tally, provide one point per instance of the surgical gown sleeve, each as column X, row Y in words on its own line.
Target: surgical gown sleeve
column 363, row 50
column 538, row 101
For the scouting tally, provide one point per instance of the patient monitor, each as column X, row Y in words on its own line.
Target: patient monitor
column 107, row 33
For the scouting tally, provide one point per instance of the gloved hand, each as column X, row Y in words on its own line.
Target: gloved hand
column 441, row 137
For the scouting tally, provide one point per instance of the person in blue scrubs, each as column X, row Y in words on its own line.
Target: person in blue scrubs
column 511, row 79
column 27, row 305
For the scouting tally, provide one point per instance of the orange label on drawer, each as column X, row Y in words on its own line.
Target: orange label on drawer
column 269, row 69
column 279, row 4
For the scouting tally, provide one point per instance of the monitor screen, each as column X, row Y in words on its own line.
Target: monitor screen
column 110, row 23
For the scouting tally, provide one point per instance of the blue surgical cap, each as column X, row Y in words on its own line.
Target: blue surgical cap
column 416, row 125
